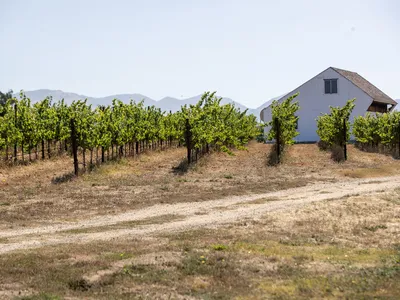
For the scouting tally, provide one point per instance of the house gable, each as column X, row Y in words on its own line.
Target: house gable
column 315, row 99
column 377, row 96
column 287, row 95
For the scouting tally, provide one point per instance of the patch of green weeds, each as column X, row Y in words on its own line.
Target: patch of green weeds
column 375, row 227
column 219, row 247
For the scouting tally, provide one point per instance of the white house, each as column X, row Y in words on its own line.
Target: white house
column 332, row 87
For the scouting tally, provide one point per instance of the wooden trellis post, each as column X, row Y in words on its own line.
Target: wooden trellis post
column 74, row 147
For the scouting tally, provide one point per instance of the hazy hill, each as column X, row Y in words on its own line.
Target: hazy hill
column 256, row 111
column 166, row 104
column 39, row 95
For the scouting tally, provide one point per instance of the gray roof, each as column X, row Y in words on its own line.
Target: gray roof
column 371, row 90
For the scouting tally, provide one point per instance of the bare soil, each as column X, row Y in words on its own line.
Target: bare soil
column 34, row 195
column 229, row 227
column 332, row 248
column 189, row 215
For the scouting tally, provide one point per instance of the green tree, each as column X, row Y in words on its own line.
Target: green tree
column 4, row 99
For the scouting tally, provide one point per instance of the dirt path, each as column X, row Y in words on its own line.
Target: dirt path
column 192, row 214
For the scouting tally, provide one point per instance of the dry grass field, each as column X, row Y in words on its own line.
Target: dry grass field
column 30, row 195
column 274, row 247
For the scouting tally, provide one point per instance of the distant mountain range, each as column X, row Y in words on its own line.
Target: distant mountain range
column 166, row 104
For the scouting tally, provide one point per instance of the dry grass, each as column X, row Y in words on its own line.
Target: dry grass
column 29, row 196
column 128, row 224
column 60, row 270
column 346, row 248
column 388, row 170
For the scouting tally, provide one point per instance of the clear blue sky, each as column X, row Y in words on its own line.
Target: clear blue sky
column 249, row 51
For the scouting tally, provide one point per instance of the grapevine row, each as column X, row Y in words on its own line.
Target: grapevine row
column 380, row 132
column 334, row 130
column 122, row 129
column 283, row 126
column 208, row 124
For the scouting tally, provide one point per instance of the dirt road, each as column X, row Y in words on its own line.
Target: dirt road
column 191, row 214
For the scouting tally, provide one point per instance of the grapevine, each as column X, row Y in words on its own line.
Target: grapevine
column 334, row 129
column 119, row 129
column 283, row 126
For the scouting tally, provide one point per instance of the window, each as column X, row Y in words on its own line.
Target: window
column 330, row 86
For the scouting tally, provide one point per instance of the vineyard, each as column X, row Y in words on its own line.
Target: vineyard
column 334, row 130
column 283, row 126
column 134, row 226
column 377, row 133
column 94, row 135
column 380, row 133
column 46, row 128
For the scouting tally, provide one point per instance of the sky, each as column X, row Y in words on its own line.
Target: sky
column 249, row 51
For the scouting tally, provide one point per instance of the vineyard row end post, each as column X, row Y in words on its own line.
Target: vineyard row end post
column 278, row 139
column 15, row 122
column 74, row 147
column 398, row 134
column 188, row 141
column 345, row 139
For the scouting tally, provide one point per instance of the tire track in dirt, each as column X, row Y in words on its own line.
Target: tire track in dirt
column 198, row 214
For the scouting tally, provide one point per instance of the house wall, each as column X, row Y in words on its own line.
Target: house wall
column 314, row 102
